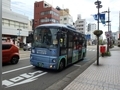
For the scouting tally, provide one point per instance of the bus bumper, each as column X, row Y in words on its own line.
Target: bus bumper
column 44, row 64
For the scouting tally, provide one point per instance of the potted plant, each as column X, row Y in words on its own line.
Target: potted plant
column 98, row 33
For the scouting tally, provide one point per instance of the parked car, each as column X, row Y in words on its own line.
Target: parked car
column 10, row 53
column 26, row 47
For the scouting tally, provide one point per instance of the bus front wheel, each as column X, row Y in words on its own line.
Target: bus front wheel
column 61, row 65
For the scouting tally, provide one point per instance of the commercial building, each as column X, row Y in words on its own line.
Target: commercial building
column 115, row 36
column 65, row 17
column 90, row 30
column 81, row 24
column 14, row 25
column 45, row 13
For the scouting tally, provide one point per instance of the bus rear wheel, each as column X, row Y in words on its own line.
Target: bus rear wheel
column 61, row 65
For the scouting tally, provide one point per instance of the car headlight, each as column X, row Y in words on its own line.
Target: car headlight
column 33, row 51
column 53, row 60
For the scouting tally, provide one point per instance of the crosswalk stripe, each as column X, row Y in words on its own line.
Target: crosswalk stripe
column 91, row 50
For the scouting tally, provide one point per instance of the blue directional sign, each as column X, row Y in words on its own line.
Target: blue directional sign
column 88, row 36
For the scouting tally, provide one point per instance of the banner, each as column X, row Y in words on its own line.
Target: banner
column 102, row 18
column 95, row 16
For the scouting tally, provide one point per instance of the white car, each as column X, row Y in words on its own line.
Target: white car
column 27, row 47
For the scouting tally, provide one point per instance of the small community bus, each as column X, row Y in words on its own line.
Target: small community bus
column 56, row 46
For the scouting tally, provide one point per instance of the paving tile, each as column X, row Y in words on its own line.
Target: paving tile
column 103, row 77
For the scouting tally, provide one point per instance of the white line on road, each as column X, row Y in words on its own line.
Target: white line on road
column 16, row 69
column 77, row 65
column 24, row 58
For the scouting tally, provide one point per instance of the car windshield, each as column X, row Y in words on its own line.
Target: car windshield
column 45, row 37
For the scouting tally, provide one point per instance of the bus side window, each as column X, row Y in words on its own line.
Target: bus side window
column 63, row 41
column 85, row 43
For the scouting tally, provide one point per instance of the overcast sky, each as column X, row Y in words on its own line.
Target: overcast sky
column 84, row 7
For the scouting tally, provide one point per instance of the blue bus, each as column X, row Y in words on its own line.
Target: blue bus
column 56, row 46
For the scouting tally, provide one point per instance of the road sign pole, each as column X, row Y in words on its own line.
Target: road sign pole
column 1, row 46
column 108, row 40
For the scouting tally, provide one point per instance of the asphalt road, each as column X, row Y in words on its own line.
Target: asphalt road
column 24, row 76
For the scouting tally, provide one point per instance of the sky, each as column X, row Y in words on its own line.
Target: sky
column 84, row 7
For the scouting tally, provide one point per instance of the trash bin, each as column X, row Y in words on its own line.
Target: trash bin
column 102, row 50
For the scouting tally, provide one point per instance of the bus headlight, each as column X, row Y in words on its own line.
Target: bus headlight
column 53, row 60
column 33, row 51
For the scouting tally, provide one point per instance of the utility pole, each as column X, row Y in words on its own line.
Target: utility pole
column 98, row 3
column 98, row 37
column 1, row 46
column 108, row 39
column 119, row 24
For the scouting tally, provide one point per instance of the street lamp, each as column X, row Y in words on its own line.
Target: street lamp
column 98, row 3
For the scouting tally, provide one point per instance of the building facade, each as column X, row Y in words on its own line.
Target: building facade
column 91, row 28
column 14, row 25
column 65, row 17
column 81, row 24
column 115, row 36
column 45, row 13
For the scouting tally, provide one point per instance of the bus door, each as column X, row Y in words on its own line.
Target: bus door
column 80, row 46
column 69, row 47
column 63, row 44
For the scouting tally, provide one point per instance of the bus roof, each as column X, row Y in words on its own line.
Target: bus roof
column 53, row 24
column 60, row 25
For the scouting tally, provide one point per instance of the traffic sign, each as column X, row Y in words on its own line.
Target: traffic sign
column 107, row 34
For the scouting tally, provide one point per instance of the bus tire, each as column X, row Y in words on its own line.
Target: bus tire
column 61, row 65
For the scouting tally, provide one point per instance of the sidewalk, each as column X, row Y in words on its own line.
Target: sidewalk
column 106, row 76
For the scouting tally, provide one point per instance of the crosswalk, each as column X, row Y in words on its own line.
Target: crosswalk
column 91, row 49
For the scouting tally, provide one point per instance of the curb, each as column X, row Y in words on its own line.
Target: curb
column 60, row 85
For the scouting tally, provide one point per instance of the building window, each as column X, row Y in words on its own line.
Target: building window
column 49, row 20
column 80, row 21
column 42, row 13
column 2, row 21
column 65, row 18
column 36, row 5
column 49, row 12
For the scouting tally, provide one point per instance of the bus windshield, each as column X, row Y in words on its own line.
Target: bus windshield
column 45, row 37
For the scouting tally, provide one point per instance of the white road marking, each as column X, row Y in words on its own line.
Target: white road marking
column 77, row 65
column 91, row 50
column 22, row 79
column 24, row 58
column 28, row 80
column 16, row 69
